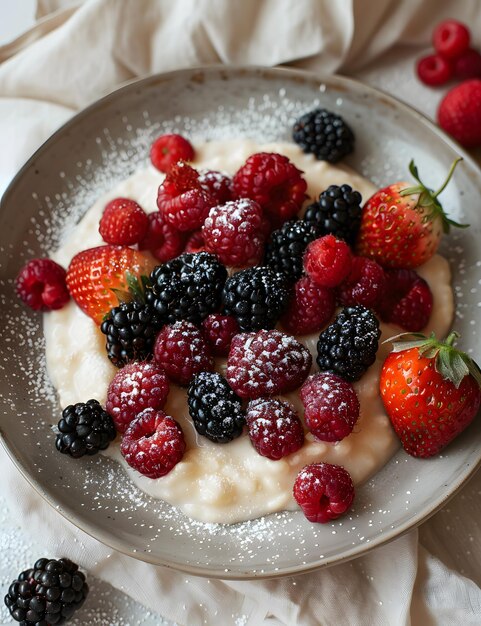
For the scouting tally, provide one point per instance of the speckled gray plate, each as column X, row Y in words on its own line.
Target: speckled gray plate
column 111, row 139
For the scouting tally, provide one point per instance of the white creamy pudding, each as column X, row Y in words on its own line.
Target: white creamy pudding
column 228, row 483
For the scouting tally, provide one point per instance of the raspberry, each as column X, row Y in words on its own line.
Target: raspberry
column 182, row 352
column 123, row 223
column 153, row 443
column 167, row 150
column 407, row 300
column 41, row 285
column 218, row 185
column 266, row 363
column 136, row 387
column 162, row 239
column 324, row 134
column 331, row 407
column 451, row 39
column 273, row 182
column 181, row 199
column 233, row 232
column 434, row 70
column 323, row 491
column 459, row 113
column 219, row 330
column 195, row 243
column 364, row 284
column 275, row 429
column 328, row 261
column 310, row 307
column 468, row 65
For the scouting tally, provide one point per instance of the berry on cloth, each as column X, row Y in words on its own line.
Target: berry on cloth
column 323, row 491
column 218, row 185
column 468, row 65
column 434, row 70
column 364, row 285
column 137, row 386
column 266, row 363
column 153, row 443
column 331, row 406
column 48, row 593
column 167, row 150
column 219, row 330
column 327, row 261
column 459, row 113
column 451, row 38
column 274, row 183
column 431, row 392
column 285, row 248
column 324, row 134
column 215, row 409
column 84, row 428
column 235, row 232
column 275, row 429
column 123, row 222
column 182, row 352
column 162, row 239
column 41, row 285
column 310, row 307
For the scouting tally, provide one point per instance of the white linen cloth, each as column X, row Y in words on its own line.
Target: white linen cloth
column 80, row 51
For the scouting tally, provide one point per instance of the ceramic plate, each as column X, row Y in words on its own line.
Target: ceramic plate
column 108, row 141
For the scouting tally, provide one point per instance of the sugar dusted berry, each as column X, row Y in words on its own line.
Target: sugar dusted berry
column 331, row 406
column 219, row 330
column 328, row 261
column 161, row 239
column 364, row 285
column 41, row 285
column 323, row 491
column 218, row 185
column 136, row 387
column 182, row 352
column 234, row 232
column 275, row 429
column 153, row 444
column 310, row 307
column 168, row 149
column 123, row 222
column 266, row 363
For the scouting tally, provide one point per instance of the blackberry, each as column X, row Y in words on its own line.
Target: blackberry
column 48, row 593
column 348, row 346
column 337, row 212
column 286, row 246
column 85, row 428
column 131, row 329
column 187, row 288
column 215, row 409
column 256, row 297
column 325, row 134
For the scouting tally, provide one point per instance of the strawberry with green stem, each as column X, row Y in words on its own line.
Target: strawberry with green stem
column 431, row 392
column 402, row 224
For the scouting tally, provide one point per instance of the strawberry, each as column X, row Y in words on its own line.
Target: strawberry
column 459, row 113
column 402, row 225
column 431, row 392
column 98, row 276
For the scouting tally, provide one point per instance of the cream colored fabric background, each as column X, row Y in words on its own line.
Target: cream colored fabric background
column 80, row 51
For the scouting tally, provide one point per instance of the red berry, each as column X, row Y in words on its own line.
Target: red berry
column 273, row 182
column 41, row 285
column 217, row 184
column 451, row 39
column 219, row 330
column 266, row 363
column 459, row 113
column 123, row 222
column 162, row 239
column 364, row 284
column 234, row 232
column 434, row 70
column 406, row 301
column 181, row 199
column 136, row 387
column 323, row 491
column 195, row 243
column 167, row 150
column 275, row 429
column 310, row 307
column 468, row 65
column 328, row 261
column 153, row 443
column 331, row 406
column 182, row 352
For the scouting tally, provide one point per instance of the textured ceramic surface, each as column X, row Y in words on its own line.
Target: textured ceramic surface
column 110, row 140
